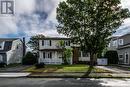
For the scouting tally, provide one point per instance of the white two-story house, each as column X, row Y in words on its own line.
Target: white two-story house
column 51, row 53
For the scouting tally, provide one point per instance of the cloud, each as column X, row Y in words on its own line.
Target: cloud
column 125, row 27
column 39, row 17
column 31, row 17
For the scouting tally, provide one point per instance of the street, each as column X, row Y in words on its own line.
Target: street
column 63, row 82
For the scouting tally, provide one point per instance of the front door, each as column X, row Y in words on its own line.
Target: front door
column 126, row 58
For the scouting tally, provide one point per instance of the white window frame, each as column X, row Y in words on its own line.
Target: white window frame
column 2, row 45
column 120, row 42
column 46, row 42
column 48, row 55
column 114, row 43
column 1, row 58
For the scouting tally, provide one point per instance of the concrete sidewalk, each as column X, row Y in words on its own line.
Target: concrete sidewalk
column 78, row 75
column 115, row 69
column 10, row 75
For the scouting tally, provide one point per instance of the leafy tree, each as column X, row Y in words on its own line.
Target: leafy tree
column 90, row 22
column 112, row 57
column 29, row 59
column 66, row 52
column 33, row 42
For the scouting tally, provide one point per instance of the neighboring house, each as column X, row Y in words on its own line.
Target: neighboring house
column 11, row 50
column 50, row 51
column 122, row 46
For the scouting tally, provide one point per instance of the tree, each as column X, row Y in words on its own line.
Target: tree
column 66, row 52
column 112, row 57
column 29, row 59
column 68, row 55
column 90, row 22
column 33, row 42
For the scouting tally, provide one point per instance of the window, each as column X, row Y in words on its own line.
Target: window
column 46, row 43
column 115, row 43
column 42, row 42
column 1, row 45
column 44, row 55
column 85, row 54
column 120, row 56
column 1, row 58
column 67, row 43
column 47, row 55
column 126, row 58
column 120, row 41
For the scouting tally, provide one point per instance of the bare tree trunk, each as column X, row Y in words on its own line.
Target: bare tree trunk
column 93, row 59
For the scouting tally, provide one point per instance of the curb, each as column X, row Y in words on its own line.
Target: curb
column 71, row 77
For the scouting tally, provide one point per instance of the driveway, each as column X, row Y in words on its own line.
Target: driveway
column 115, row 69
column 62, row 82
column 17, row 68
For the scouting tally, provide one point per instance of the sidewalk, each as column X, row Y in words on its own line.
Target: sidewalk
column 115, row 69
column 78, row 75
column 10, row 75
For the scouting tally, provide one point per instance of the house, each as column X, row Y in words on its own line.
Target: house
column 121, row 44
column 50, row 52
column 11, row 50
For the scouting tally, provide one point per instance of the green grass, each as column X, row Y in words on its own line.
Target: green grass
column 64, row 68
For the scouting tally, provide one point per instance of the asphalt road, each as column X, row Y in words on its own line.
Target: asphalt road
column 60, row 82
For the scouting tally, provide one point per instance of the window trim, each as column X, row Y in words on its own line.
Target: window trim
column 120, row 42
column 2, row 45
column 47, row 55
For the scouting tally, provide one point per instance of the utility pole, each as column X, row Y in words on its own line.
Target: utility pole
column 24, row 47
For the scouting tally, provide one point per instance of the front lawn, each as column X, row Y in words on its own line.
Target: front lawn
column 64, row 68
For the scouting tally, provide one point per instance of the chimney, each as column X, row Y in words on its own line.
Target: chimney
column 24, row 47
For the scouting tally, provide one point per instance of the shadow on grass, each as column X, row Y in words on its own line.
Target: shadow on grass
column 88, row 71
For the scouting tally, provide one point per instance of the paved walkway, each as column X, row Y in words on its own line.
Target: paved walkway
column 114, row 69
column 2, row 75
column 18, row 68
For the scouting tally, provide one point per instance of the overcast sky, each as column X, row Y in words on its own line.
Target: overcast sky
column 39, row 17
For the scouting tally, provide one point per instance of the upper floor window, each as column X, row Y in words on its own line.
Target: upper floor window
column 109, row 45
column 46, row 43
column 120, row 41
column 67, row 43
column 1, row 45
column 115, row 43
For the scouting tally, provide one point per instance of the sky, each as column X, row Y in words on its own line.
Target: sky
column 39, row 17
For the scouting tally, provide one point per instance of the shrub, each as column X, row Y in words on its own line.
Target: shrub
column 29, row 59
column 2, row 64
column 112, row 57
column 40, row 65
